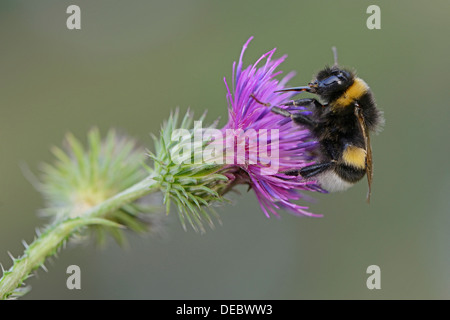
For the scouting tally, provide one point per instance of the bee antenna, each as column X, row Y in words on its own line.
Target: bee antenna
column 335, row 56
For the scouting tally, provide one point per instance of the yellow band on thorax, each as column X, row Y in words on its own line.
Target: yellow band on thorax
column 354, row 92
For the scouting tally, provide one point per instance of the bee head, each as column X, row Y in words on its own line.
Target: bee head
column 330, row 83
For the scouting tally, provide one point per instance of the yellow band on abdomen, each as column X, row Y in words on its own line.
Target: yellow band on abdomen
column 355, row 157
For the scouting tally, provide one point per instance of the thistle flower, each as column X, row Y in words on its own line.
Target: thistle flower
column 267, row 145
column 192, row 187
column 105, row 186
column 82, row 178
column 277, row 190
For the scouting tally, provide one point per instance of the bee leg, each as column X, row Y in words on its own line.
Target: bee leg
column 308, row 102
column 312, row 170
column 282, row 112
column 298, row 118
column 315, row 169
column 301, row 119
column 291, row 172
column 260, row 102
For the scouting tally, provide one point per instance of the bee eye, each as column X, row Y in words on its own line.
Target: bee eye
column 330, row 80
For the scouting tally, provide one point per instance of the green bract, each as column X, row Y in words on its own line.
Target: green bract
column 193, row 188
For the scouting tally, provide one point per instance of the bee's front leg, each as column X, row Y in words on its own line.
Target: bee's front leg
column 298, row 118
column 308, row 102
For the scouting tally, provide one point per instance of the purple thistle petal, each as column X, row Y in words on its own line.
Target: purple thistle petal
column 238, row 73
column 274, row 191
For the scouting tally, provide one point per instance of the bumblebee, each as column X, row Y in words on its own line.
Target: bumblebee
column 341, row 122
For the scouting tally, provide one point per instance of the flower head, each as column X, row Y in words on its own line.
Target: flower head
column 290, row 147
column 196, row 167
column 84, row 177
column 191, row 185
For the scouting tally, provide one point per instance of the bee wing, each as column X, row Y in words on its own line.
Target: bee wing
column 369, row 163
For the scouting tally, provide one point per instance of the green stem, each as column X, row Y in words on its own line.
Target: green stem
column 140, row 189
column 48, row 242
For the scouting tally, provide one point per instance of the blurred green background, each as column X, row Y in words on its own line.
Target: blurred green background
column 132, row 62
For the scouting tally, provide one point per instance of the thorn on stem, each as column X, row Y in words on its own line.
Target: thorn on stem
column 25, row 244
column 11, row 256
column 44, row 267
